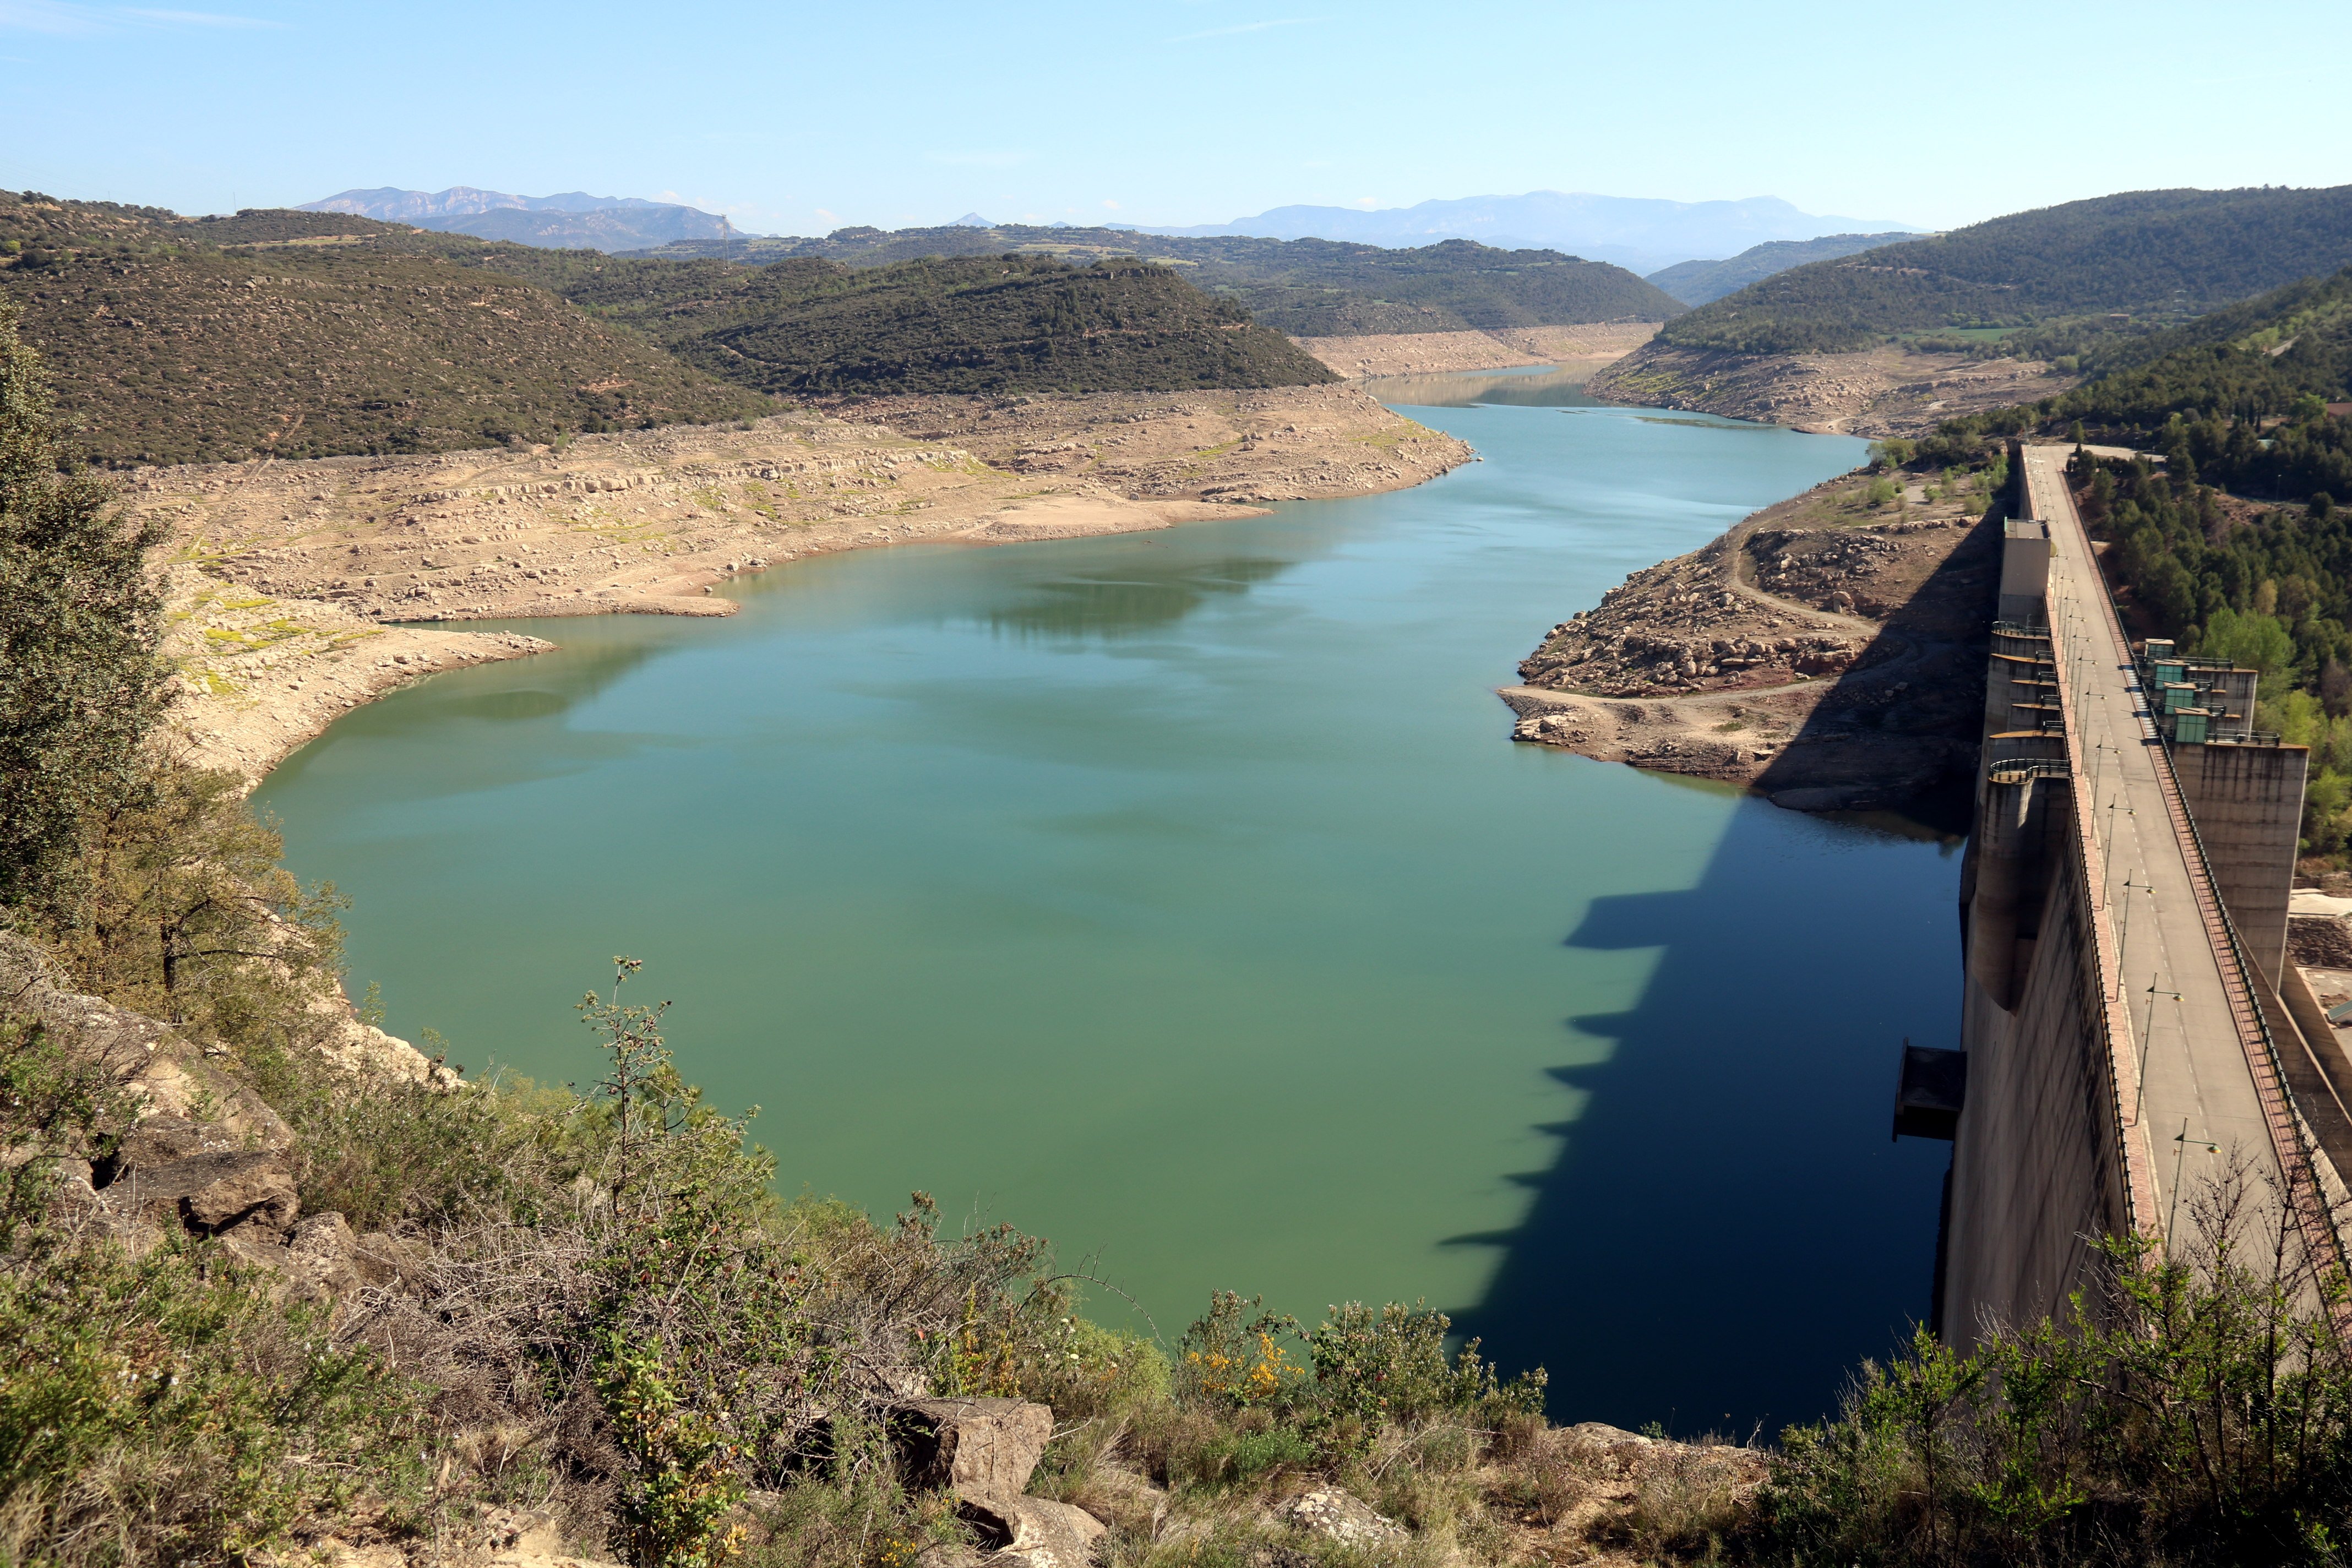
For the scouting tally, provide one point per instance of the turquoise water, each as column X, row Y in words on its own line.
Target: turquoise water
column 1180, row 898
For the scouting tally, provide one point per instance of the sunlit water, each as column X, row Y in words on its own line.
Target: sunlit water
column 1180, row 896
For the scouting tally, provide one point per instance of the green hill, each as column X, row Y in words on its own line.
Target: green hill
column 166, row 348
column 1308, row 288
column 809, row 326
column 310, row 334
column 1697, row 282
column 2146, row 256
column 2237, row 399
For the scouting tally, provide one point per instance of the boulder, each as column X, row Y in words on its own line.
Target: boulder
column 972, row 1445
column 211, row 1193
column 1032, row 1533
column 1340, row 1516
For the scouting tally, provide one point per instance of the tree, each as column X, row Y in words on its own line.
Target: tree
column 80, row 620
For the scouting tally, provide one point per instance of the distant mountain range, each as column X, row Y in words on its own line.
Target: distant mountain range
column 574, row 220
column 1696, row 282
column 1637, row 232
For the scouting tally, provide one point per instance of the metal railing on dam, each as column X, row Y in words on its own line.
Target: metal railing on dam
column 2114, row 839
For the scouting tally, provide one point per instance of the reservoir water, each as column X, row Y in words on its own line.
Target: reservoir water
column 1180, row 896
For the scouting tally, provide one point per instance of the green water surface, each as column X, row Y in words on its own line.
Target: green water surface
column 1182, row 898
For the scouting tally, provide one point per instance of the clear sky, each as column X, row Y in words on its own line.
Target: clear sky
column 799, row 118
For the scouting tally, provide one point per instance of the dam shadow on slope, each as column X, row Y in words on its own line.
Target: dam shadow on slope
column 1735, row 1190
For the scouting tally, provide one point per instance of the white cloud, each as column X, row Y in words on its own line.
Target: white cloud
column 1111, row 205
column 1249, row 27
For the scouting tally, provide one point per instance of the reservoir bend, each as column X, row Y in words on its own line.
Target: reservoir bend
column 1179, row 897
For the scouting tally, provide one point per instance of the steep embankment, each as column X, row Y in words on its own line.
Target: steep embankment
column 302, row 561
column 1826, row 651
column 1873, row 343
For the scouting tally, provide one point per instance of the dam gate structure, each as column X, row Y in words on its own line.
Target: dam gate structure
column 2131, row 1026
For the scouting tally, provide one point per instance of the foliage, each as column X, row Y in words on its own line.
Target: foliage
column 2164, row 254
column 79, row 623
column 1393, row 1365
column 2190, row 1410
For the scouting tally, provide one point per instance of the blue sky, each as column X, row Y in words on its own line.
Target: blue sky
column 800, row 118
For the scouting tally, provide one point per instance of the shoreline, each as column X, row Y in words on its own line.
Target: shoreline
column 281, row 576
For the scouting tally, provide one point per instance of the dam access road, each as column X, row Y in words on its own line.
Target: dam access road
column 2134, row 1033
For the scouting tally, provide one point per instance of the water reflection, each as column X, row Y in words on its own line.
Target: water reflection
column 1133, row 598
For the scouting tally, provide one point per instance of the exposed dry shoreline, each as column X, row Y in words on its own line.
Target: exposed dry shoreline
column 283, row 575
column 1885, row 391
column 1594, row 345
column 1824, row 652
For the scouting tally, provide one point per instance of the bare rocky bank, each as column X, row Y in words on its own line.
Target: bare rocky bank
column 283, row 576
column 1591, row 345
column 1825, row 652
column 1885, row 391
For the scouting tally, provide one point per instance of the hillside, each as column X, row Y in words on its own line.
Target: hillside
column 2162, row 254
column 814, row 326
column 1307, row 287
column 2239, row 399
column 1697, row 282
column 164, row 348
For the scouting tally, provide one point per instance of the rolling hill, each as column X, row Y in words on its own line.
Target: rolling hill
column 1308, row 288
column 171, row 341
column 1696, row 282
column 2159, row 254
column 816, row 326
column 291, row 334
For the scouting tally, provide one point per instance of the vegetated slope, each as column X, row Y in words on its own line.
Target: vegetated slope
column 2238, row 398
column 1308, row 288
column 2167, row 254
column 809, row 326
column 164, row 349
column 1696, row 282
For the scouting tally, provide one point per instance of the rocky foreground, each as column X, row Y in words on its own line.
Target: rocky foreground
column 1825, row 651
column 287, row 574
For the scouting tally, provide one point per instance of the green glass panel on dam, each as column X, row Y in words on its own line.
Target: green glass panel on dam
column 1182, row 898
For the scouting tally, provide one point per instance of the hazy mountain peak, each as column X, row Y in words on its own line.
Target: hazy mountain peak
column 1643, row 233
column 572, row 220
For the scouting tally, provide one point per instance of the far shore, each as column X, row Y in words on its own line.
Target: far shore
column 284, row 578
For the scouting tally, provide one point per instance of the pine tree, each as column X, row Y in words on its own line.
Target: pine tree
column 81, row 684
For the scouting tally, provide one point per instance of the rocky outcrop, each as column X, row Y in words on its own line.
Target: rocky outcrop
column 972, row 1445
column 1823, row 651
column 1336, row 1515
column 1884, row 391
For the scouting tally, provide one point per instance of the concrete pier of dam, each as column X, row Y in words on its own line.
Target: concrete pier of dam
column 2132, row 1028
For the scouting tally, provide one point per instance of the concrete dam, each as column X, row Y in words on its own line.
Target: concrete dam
column 2132, row 1027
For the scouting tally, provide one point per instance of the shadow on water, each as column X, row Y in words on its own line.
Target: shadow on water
column 1673, row 1213
column 1764, row 978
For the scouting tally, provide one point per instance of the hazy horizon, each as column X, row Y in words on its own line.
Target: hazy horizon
column 1204, row 111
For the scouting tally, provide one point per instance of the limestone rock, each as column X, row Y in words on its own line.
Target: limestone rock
column 972, row 1445
column 1032, row 1533
column 1338, row 1516
column 211, row 1193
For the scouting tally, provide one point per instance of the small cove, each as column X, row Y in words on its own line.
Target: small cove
column 1180, row 898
